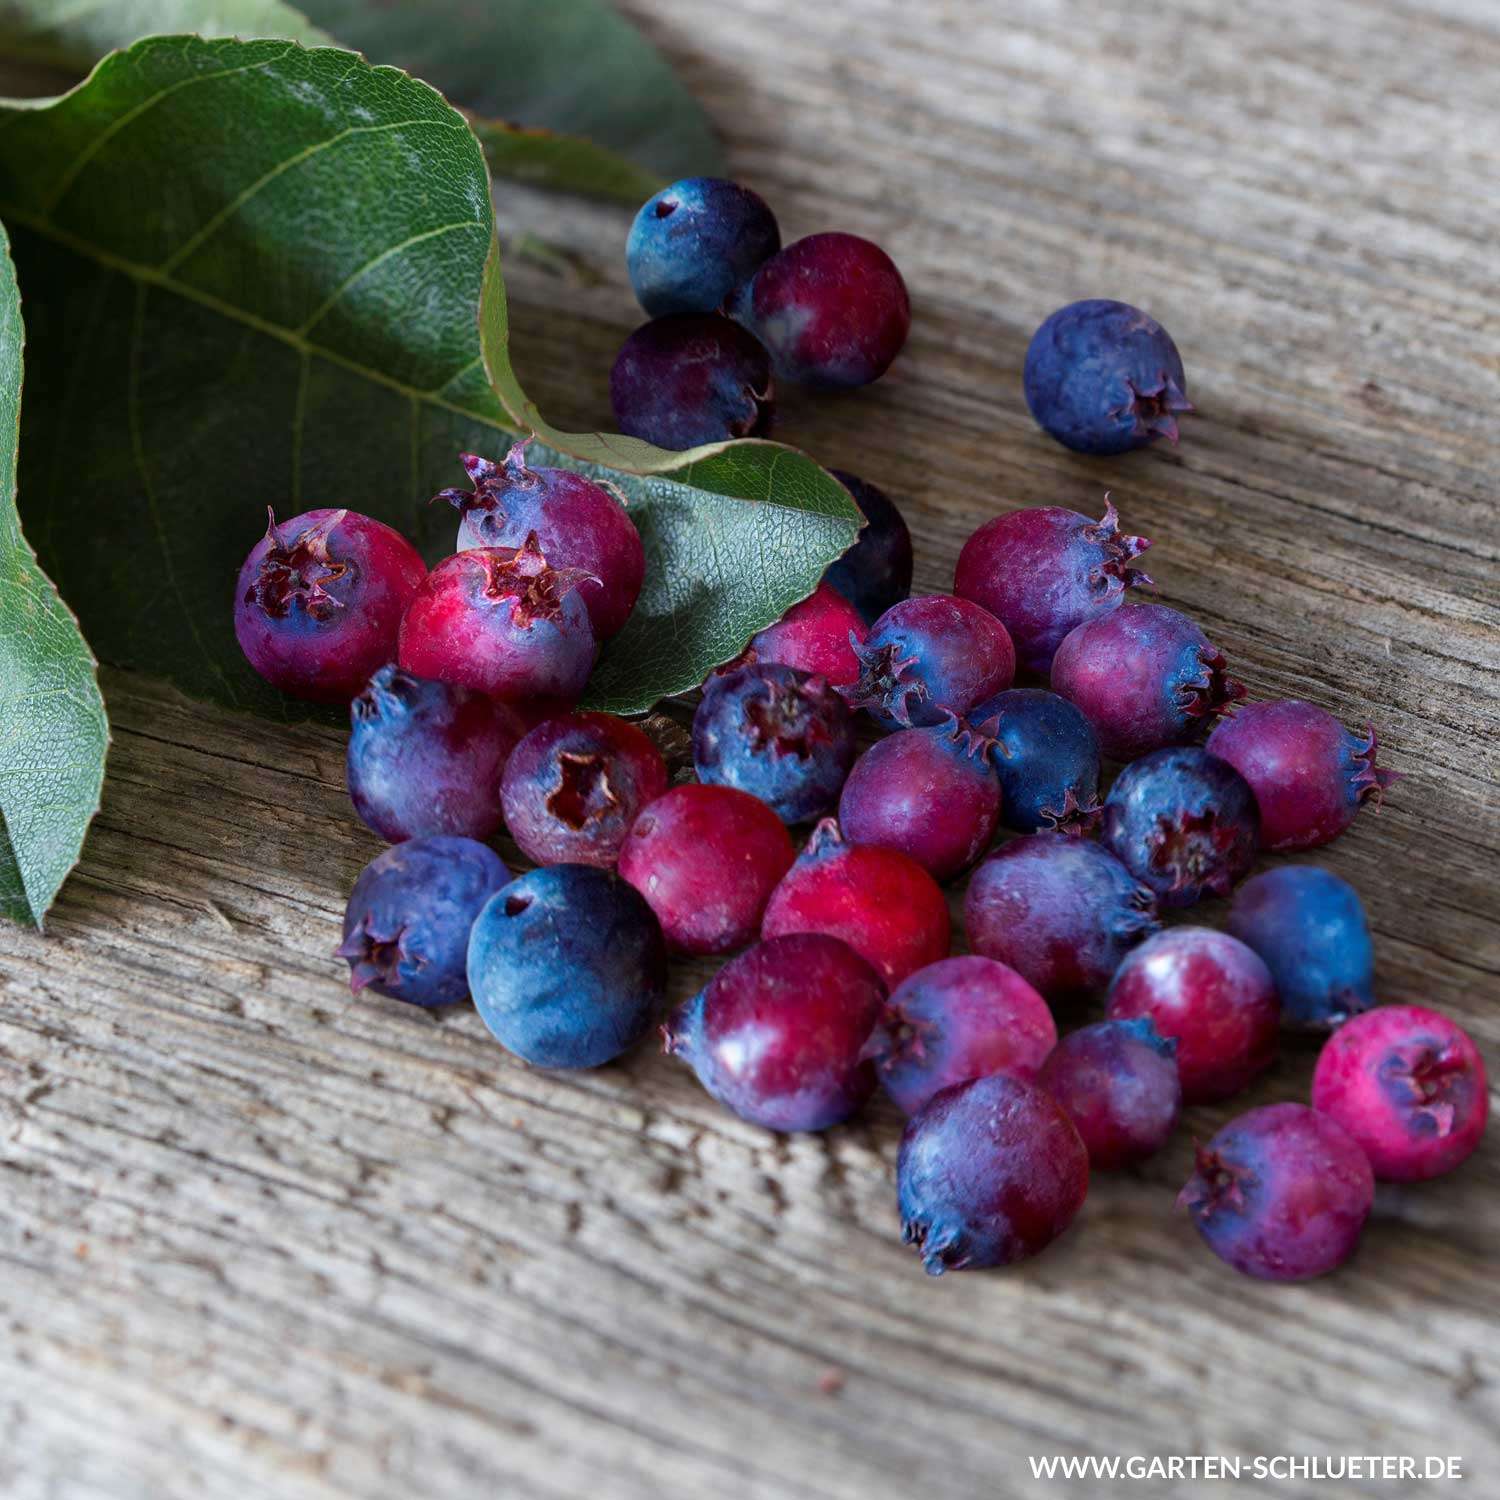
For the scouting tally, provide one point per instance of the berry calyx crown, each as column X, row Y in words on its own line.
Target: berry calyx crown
column 1216, row 1186
column 886, row 683
column 524, row 576
column 1119, row 549
column 1154, row 407
column 302, row 572
column 483, row 505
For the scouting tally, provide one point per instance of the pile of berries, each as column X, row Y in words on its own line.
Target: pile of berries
column 733, row 313
column 463, row 684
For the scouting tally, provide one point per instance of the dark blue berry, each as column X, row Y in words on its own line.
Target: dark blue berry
column 407, row 924
column 567, row 966
column 1047, row 757
column 875, row 572
column 778, row 733
column 695, row 241
column 683, row 381
column 1103, row 377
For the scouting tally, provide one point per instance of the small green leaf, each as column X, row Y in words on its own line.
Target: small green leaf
column 52, row 726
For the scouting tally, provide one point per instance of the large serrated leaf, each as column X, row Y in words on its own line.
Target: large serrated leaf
column 52, row 727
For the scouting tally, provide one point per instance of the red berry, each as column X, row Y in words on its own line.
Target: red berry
column 813, row 636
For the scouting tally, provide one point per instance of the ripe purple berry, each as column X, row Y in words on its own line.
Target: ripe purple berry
column 1213, row 997
column 831, row 309
column 1060, row 911
column 692, row 243
column 1145, row 677
column 1046, row 757
column 1103, row 377
column 989, row 1173
column 958, row 1019
column 1183, row 822
column 574, row 786
column 875, row 572
column 707, row 859
column 426, row 757
column 1045, row 570
column 1409, row 1086
column 579, row 525
column 406, row 928
column 1309, row 928
column 778, row 1034
column 930, row 656
column 319, row 601
column 777, row 733
column 1310, row 775
column 879, row 901
column 1117, row 1082
column 683, row 381
column 1282, row 1193
column 504, row 621
column 567, row 966
column 818, row 635
column 931, row 793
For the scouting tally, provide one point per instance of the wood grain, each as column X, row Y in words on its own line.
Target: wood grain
column 259, row 1240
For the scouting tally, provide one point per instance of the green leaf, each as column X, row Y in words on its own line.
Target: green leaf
column 253, row 273
column 52, row 726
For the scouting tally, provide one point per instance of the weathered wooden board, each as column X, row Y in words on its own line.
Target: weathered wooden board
column 258, row 1240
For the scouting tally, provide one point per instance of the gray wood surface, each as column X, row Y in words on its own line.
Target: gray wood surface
column 259, row 1240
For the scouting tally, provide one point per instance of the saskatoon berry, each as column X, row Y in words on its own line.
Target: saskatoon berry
column 989, row 1173
column 1211, row 995
column 831, row 310
column 707, row 859
column 1044, row 570
column 694, row 242
column 1281, row 1193
column 567, row 966
column 574, row 786
column 1117, row 1082
column 684, row 381
column 319, row 601
column 879, row 901
column 819, row 635
column 579, row 525
column 1310, row 775
column 504, row 621
column 1309, row 928
column 778, row 1034
column 1409, row 1086
column 426, row 757
column 1047, row 759
column 781, row 735
column 1145, row 677
column 1183, row 822
column 958, row 1019
column 875, row 572
column 1103, row 377
column 407, row 924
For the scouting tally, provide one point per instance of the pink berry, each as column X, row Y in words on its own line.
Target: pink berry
column 1043, row 570
column 1409, row 1085
column 931, row 793
column 778, row 1034
column 707, row 858
column 1309, row 774
column 879, row 901
column 1145, row 677
column 504, row 621
column 814, row 636
column 958, row 1019
column 1210, row 993
column 1117, row 1082
column 578, row 524
column 1282, row 1193
column 319, row 601
column 574, row 785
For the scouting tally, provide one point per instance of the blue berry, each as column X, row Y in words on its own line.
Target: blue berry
column 1183, row 822
column 407, row 924
column 1103, row 377
column 1309, row 928
column 568, row 966
column 426, row 757
column 694, row 242
column 875, row 572
column 1047, row 757
column 778, row 733
column 682, row 381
